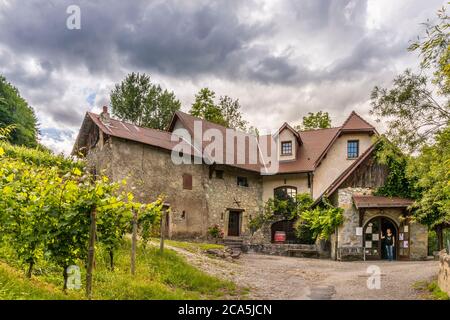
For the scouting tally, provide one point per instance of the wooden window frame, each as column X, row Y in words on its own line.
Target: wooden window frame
column 187, row 181
column 348, row 149
column 289, row 142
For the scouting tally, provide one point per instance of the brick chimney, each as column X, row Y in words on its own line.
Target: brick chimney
column 104, row 116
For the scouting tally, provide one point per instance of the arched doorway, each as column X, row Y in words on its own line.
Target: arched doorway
column 373, row 244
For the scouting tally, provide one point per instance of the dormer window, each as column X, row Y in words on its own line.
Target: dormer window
column 352, row 149
column 286, row 148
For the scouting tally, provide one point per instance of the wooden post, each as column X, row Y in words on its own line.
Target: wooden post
column 134, row 242
column 91, row 254
column 163, row 230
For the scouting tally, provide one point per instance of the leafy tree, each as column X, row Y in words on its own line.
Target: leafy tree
column 226, row 112
column 431, row 171
column 434, row 50
column 318, row 120
column 139, row 101
column 411, row 112
column 14, row 110
column 204, row 107
column 231, row 113
column 411, row 109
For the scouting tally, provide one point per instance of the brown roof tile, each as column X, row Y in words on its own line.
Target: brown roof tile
column 356, row 123
column 381, row 202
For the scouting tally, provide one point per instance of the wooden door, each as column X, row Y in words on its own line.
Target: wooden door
column 403, row 241
column 234, row 224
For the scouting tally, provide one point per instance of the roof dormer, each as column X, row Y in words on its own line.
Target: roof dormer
column 288, row 141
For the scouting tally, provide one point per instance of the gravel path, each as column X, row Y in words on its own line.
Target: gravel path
column 273, row 277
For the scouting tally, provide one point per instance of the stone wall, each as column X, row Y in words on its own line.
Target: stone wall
column 223, row 195
column 444, row 272
column 347, row 231
column 150, row 172
column 290, row 250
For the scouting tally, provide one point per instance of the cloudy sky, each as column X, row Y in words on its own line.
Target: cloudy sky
column 282, row 59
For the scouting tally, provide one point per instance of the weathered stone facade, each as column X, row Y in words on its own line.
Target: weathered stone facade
column 150, row 172
column 444, row 272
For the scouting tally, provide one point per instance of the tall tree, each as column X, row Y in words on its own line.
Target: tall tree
column 226, row 112
column 14, row 110
column 139, row 101
column 318, row 120
column 231, row 112
column 431, row 172
column 415, row 108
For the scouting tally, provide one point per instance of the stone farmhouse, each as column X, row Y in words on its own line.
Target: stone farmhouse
column 337, row 163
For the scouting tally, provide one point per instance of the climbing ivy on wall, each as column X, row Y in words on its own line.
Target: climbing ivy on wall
column 398, row 183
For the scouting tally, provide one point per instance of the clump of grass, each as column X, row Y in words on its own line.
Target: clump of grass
column 431, row 290
column 14, row 286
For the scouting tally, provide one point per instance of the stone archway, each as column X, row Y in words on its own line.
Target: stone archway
column 372, row 242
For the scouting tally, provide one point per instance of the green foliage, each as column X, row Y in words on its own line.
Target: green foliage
column 318, row 120
column 226, row 113
column 149, row 218
column 411, row 109
column 40, row 157
column 45, row 210
column 14, row 110
column 215, row 232
column 398, row 182
column 164, row 277
column 434, row 49
column 145, row 104
column 310, row 223
column 322, row 220
column 5, row 133
column 230, row 110
column 412, row 114
column 431, row 171
column 281, row 206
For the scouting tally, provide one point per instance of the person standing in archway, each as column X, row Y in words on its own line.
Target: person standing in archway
column 389, row 241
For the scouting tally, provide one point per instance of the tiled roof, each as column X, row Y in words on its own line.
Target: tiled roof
column 356, row 123
column 381, row 202
column 314, row 144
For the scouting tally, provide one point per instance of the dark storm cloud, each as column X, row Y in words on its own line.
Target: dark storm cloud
column 173, row 37
column 308, row 52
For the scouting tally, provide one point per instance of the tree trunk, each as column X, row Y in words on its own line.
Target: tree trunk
column 65, row 276
column 133, row 244
column 91, row 254
column 111, row 259
column 440, row 237
column 30, row 269
column 162, row 228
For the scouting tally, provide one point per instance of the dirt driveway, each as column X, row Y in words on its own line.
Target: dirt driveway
column 274, row 277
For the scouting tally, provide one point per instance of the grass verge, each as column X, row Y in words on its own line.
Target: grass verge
column 431, row 290
column 158, row 277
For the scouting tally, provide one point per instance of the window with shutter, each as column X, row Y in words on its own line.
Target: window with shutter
column 187, row 181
